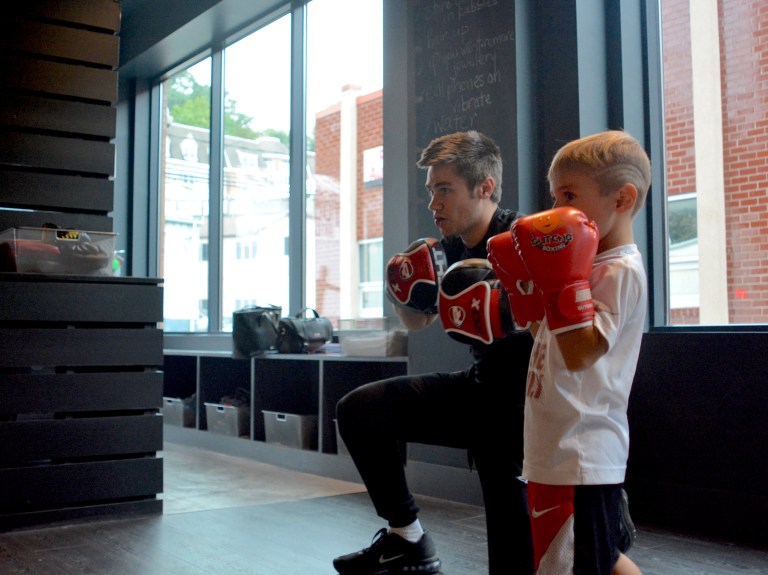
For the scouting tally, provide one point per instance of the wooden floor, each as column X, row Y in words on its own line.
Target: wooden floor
column 227, row 515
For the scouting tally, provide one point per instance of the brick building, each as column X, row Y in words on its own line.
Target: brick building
column 331, row 134
column 743, row 72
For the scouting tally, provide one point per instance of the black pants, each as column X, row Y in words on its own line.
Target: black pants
column 452, row 410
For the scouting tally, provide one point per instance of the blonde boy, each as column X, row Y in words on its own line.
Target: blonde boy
column 588, row 276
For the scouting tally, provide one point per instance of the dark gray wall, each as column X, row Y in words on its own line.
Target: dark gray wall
column 699, row 440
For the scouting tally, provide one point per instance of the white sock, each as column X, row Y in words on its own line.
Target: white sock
column 411, row 533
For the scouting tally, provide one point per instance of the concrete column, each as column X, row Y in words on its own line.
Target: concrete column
column 710, row 188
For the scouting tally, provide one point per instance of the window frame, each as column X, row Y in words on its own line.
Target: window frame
column 297, row 181
column 656, row 230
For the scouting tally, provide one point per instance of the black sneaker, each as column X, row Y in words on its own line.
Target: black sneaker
column 390, row 554
column 627, row 531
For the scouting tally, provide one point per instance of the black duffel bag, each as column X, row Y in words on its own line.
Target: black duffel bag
column 300, row 334
column 254, row 330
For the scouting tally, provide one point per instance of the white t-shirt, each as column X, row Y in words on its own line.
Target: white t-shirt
column 576, row 429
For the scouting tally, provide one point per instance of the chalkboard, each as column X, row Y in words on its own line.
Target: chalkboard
column 464, row 54
column 465, row 79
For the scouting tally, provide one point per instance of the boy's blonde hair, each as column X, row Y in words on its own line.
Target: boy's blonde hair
column 613, row 158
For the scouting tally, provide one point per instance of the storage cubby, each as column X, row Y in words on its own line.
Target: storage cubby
column 341, row 377
column 296, row 384
column 219, row 377
column 179, row 376
column 284, row 385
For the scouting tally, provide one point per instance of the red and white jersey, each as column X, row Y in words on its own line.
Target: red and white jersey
column 576, row 429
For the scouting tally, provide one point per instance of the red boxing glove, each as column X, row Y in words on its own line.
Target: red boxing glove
column 413, row 276
column 473, row 305
column 558, row 247
column 524, row 297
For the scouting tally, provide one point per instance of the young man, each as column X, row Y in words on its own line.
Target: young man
column 590, row 286
column 473, row 408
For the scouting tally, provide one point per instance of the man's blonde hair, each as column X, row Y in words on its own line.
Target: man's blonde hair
column 613, row 158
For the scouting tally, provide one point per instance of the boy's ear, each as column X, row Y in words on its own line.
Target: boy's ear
column 626, row 198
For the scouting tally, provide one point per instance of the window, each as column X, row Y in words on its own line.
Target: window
column 245, row 250
column 683, row 253
column 184, row 186
column 371, row 278
column 255, row 185
column 226, row 208
column 344, row 119
column 715, row 112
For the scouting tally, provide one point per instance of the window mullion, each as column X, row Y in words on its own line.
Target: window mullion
column 215, row 228
column 297, row 203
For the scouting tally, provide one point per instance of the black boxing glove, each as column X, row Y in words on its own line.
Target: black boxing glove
column 413, row 276
column 474, row 307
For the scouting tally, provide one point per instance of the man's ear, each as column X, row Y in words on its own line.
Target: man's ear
column 486, row 187
column 626, row 198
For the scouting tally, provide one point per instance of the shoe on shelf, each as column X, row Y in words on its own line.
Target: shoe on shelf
column 390, row 554
column 627, row 531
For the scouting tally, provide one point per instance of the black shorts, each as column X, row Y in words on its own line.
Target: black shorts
column 575, row 528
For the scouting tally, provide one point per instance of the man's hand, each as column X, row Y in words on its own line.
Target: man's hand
column 473, row 304
column 413, row 276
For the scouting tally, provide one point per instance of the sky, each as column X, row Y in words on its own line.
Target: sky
column 345, row 47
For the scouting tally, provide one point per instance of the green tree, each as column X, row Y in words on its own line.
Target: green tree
column 237, row 123
column 190, row 103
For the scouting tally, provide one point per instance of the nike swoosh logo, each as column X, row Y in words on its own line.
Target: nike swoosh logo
column 536, row 514
column 383, row 560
